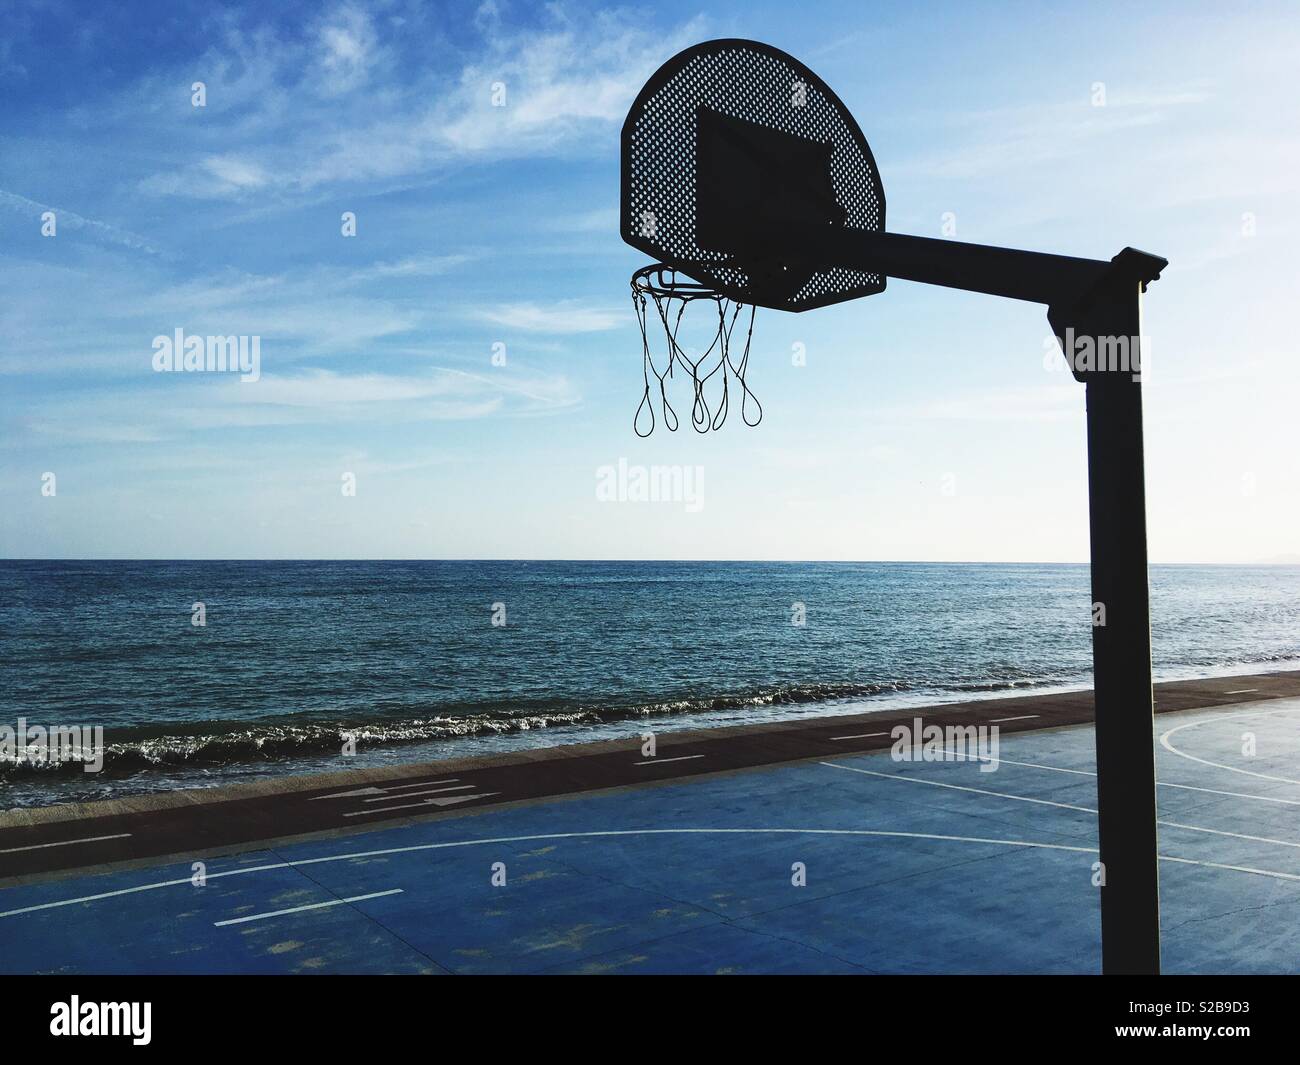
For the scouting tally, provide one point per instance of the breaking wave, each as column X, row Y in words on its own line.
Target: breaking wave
column 129, row 750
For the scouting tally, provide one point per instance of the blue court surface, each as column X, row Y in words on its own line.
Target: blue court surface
column 911, row 867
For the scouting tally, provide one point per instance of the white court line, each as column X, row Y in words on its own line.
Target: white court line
column 1022, row 717
column 1233, row 835
column 860, row 736
column 1230, row 794
column 1164, row 742
column 610, row 833
column 1233, row 868
column 999, row 760
column 1062, row 805
column 62, row 843
column 546, row 836
column 413, row 794
column 665, row 761
column 300, row 909
column 1242, row 691
column 959, row 787
column 1086, row 773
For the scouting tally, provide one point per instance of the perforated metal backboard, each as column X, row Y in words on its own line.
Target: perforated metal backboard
column 730, row 148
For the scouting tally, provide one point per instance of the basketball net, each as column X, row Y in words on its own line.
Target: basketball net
column 671, row 295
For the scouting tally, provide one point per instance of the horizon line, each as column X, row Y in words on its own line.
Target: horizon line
column 687, row 561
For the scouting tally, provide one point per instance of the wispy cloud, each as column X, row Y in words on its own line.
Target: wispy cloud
column 293, row 117
column 213, row 177
column 348, row 49
column 983, row 142
column 174, row 406
column 412, row 266
column 65, row 219
column 325, row 312
column 565, row 316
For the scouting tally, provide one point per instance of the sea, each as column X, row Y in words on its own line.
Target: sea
column 209, row 673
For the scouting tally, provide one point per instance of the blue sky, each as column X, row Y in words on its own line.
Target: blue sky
column 926, row 424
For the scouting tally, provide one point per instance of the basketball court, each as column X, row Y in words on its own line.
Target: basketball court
column 907, row 867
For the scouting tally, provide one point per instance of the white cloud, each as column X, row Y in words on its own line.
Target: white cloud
column 348, row 45
column 985, row 142
column 325, row 388
column 239, row 173
column 412, row 266
column 165, row 407
column 556, row 83
column 292, row 132
column 566, row 316
column 320, row 313
column 65, row 219
column 213, row 177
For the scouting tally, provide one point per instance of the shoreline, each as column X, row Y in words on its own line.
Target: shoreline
column 730, row 710
column 38, row 842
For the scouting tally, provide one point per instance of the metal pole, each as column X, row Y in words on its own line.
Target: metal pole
column 1121, row 647
column 1101, row 302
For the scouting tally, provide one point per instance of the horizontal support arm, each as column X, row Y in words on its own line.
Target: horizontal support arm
column 1022, row 275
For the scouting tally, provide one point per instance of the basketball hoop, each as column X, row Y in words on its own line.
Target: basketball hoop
column 672, row 293
column 744, row 170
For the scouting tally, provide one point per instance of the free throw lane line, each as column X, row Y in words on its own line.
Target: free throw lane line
column 959, row 787
column 1085, row 773
column 300, row 909
column 1062, row 805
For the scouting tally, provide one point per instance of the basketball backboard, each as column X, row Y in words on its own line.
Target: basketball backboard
column 730, row 143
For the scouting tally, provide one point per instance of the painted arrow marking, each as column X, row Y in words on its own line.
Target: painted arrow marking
column 349, row 794
column 431, row 791
column 380, row 791
column 449, row 800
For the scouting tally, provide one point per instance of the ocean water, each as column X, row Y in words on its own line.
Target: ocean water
column 406, row 658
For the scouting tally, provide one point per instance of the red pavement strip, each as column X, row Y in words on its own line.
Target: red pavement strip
column 38, row 843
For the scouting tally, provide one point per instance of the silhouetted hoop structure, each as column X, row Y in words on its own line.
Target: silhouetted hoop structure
column 742, row 170
column 740, row 123
column 672, row 295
